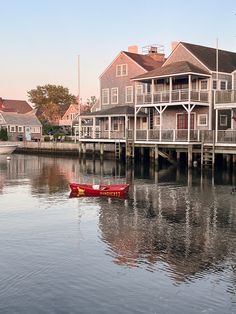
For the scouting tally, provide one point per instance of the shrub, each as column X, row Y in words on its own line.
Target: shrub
column 3, row 135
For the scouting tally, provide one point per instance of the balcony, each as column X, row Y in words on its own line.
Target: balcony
column 225, row 98
column 174, row 97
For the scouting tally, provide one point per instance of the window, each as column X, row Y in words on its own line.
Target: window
column 147, row 88
column 214, row 84
column 114, row 95
column 203, row 85
column 129, row 94
column 106, row 126
column 157, row 120
column 202, row 120
column 12, row 128
column 35, row 129
column 115, row 124
column 20, row 129
column 122, row 70
column 223, row 120
column 105, row 96
column 223, row 85
column 139, row 89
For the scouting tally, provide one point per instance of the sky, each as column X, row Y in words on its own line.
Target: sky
column 42, row 40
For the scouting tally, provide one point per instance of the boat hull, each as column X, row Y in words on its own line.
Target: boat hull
column 115, row 190
column 7, row 149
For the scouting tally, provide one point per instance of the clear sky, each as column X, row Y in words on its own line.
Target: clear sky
column 40, row 40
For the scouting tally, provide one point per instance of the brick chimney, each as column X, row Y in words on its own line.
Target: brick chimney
column 133, row 49
column 174, row 44
column 1, row 103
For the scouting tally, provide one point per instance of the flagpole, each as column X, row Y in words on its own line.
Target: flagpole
column 217, row 61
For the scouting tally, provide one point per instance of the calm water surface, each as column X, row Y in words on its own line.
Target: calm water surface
column 170, row 247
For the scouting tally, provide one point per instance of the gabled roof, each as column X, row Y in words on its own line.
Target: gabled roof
column 20, row 106
column 20, row 119
column 145, row 61
column 173, row 69
column 208, row 56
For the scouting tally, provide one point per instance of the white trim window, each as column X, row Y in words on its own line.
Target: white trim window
column 157, row 120
column 114, row 95
column 105, row 96
column 129, row 94
column 12, row 128
column 115, row 124
column 223, row 120
column 35, row 129
column 203, row 85
column 214, row 84
column 122, row 70
column 202, row 119
column 20, row 128
column 223, row 85
column 139, row 89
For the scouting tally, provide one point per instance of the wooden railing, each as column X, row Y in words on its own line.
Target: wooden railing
column 173, row 97
column 225, row 96
column 170, row 136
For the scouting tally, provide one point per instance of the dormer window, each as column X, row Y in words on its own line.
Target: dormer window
column 122, row 70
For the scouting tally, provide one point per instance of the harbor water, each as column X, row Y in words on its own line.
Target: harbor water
column 169, row 247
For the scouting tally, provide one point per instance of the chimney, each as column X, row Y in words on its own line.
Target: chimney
column 174, row 44
column 1, row 103
column 133, row 49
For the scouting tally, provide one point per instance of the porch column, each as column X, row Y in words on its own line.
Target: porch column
column 160, row 123
column 93, row 131
column 80, row 121
column 189, row 110
column 189, row 124
column 126, row 127
column 109, row 127
column 189, row 87
column 216, row 127
column 152, row 91
column 170, row 91
column 135, row 123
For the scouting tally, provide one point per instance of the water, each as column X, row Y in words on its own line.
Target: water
column 169, row 248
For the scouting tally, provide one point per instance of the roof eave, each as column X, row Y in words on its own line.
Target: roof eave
column 170, row 75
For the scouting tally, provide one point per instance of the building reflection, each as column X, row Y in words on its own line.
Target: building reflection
column 180, row 219
column 187, row 230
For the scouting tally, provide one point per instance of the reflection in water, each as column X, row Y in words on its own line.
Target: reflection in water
column 176, row 222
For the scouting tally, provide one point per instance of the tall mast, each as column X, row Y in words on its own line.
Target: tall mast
column 217, row 61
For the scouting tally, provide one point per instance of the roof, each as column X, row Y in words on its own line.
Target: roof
column 20, row 119
column 118, row 110
column 114, row 111
column 145, row 61
column 207, row 55
column 20, row 106
column 173, row 69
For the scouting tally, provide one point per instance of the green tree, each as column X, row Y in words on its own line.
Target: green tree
column 50, row 94
column 3, row 135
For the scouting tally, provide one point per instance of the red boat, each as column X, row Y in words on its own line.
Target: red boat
column 113, row 190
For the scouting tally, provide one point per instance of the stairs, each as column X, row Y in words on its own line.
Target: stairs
column 117, row 150
column 207, row 156
column 167, row 157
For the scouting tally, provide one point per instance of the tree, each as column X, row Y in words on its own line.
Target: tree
column 91, row 101
column 50, row 94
